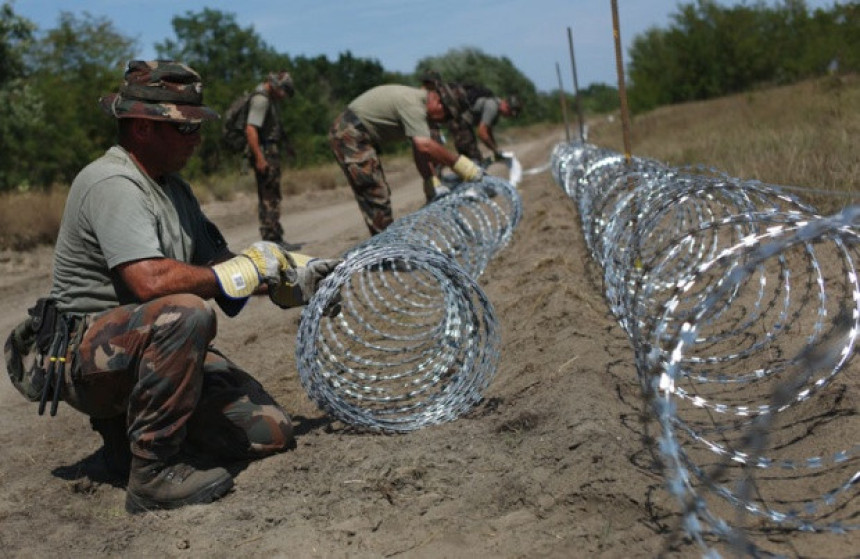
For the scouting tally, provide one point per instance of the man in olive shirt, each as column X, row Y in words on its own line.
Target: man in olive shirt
column 135, row 265
column 383, row 115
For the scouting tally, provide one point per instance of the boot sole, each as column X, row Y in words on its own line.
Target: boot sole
column 135, row 504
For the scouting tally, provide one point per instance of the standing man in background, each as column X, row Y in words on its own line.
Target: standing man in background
column 265, row 134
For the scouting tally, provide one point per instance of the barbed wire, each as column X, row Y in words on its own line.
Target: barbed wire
column 743, row 307
column 416, row 341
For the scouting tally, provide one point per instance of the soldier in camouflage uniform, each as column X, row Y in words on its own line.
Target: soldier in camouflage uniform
column 387, row 114
column 135, row 264
column 479, row 111
column 265, row 134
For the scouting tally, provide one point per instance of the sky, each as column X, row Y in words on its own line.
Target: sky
column 533, row 34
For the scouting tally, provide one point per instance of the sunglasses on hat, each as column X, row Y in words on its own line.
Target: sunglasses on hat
column 186, row 128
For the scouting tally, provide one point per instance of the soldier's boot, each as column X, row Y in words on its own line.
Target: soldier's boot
column 170, row 484
column 117, row 450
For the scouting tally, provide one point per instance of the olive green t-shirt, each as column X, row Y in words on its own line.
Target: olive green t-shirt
column 392, row 112
column 486, row 110
column 115, row 214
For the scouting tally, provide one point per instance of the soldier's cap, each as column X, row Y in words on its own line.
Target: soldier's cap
column 159, row 90
column 284, row 81
column 431, row 78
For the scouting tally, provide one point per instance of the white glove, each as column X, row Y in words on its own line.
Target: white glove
column 298, row 284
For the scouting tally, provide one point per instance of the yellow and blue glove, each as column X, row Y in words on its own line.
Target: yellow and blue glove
column 262, row 262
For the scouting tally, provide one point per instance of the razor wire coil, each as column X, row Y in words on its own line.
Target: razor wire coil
column 416, row 341
column 743, row 308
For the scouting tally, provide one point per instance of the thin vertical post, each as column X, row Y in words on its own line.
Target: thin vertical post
column 622, row 90
column 576, row 86
column 563, row 104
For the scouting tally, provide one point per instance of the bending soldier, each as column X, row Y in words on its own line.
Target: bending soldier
column 386, row 114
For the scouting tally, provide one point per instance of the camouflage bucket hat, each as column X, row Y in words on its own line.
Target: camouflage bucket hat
column 284, row 81
column 159, row 90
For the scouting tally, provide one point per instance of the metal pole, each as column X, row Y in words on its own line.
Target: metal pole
column 576, row 86
column 622, row 91
column 563, row 104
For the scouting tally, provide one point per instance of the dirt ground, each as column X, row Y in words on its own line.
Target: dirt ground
column 551, row 463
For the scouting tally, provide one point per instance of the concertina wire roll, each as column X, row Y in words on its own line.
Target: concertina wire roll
column 416, row 341
column 742, row 306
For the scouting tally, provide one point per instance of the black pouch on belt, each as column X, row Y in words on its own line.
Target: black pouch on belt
column 27, row 348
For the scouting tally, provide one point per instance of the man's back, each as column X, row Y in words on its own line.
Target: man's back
column 392, row 112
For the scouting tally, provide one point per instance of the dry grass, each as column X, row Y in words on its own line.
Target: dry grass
column 30, row 218
column 804, row 135
column 293, row 181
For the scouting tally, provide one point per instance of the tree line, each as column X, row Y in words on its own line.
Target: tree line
column 50, row 80
column 710, row 50
column 51, row 126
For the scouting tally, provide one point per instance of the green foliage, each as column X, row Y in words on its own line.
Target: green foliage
column 72, row 65
column 20, row 107
column 711, row 50
column 15, row 37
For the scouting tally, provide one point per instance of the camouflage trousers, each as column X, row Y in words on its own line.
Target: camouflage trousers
column 464, row 139
column 357, row 156
column 154, row 363
column 269, row 195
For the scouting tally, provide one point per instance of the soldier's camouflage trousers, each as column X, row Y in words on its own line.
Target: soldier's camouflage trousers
column 357, row 156
column 269, row 195
column 464, row 139
column 153, row 361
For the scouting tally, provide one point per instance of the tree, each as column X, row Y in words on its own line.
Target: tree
column 72, row 65
column 20, row 107
column 232, row 60
column 711, row 50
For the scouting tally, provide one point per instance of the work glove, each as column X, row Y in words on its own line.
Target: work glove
column 434, row 189
column 300, row 281
column 262, row 262
column 467, row 170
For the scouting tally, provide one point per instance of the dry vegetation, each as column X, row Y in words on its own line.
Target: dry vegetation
column 803, row 135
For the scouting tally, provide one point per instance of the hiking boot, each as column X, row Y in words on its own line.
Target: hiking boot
column 170, row 484
column 116, row 451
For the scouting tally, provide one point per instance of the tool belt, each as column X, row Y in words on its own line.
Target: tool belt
column 37, row 351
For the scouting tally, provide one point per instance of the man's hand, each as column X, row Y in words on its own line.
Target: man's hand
column 298, row 284
column 434, row 189
column 263, row 261
column 467, row 170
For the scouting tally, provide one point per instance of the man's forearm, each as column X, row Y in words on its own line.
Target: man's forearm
column 156, row 277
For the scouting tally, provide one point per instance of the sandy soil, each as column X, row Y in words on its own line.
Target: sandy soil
column 551, row 464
